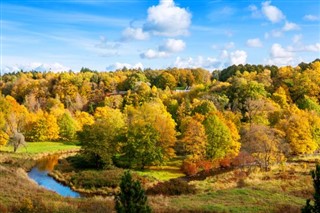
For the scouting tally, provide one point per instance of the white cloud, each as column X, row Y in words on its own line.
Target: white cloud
column 166, row 19
column 255, row 42
column 36, row 66
column 224, row 55
column 274, row 33
column 280, row 56
column 229, row 45
column 272, row 13
column 105, row 44
column 299, row 47
column 131, row 33
column 255, row 12
column 173, row 45
column 238, row 57
column 296, row 38
column 277, row 51
column 118, row 65
column 312, row 48
column 105, row 48
column 152, row 54
column 290, row 26
column 200, row 61
column 310, row 17
column 165, row 50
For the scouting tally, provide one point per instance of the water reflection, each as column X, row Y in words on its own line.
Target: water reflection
column 40, row 174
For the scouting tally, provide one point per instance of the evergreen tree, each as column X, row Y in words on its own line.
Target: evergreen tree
column 308, row 208
column 132, row 198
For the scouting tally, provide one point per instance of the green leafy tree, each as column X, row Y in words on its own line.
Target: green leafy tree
column 132, row 198
column 67, row 126
column 220, row 139
column 308, row 208
column 142, row 146
column 166, row 80
column 100, row 141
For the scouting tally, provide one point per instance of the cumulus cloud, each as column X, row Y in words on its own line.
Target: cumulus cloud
column 166, row 19
column 131, row 33
column 118, row 65
column 310, row 17
column 255, row 42
column 280, row 55
column 165, row 50
column 200, row 61
column 271, row 12
column 36, row 66
column 173, row 45
column 238, row 57
column 288, row 26
column 152, row 54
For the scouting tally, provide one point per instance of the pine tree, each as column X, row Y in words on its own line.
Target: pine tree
column 132, row 198
column 316, row 184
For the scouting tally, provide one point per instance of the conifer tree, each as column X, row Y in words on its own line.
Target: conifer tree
column 132, row 198
column 308, row 208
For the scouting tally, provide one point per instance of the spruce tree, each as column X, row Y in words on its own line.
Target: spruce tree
column 131, row 198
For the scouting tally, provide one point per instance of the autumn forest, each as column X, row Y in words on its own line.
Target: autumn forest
column 198, row 121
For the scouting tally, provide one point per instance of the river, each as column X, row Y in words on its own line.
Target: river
column 39, row 174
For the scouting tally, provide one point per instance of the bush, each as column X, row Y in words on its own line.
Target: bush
column 96, row 179
column 172, row 187
column 205, row 165
column 31, row 206
column 189, row 168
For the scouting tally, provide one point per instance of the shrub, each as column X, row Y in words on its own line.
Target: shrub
column 172, row 187
column 91, row 178
column 205, row 165
column 243, row 159
column 189, row 168
column 31, row 206
column 225, row 162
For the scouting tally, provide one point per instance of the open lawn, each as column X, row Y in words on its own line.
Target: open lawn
column 42, row 147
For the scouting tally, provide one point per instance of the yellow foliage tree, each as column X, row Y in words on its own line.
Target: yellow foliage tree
column 194, row 138
column 296, row 126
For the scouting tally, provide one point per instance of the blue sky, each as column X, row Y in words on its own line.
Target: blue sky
column 104, row 35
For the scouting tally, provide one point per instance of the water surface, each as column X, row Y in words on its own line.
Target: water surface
column 39, row 174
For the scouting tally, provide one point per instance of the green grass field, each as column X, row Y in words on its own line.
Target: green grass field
column 160, row 174
column 42, row 147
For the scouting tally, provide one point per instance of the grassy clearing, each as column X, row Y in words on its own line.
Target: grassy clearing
column 161, row 173
column 231, row 200
column 171, row 170
column 43, row 147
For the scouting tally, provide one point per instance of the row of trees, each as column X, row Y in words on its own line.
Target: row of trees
column 268, row 112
